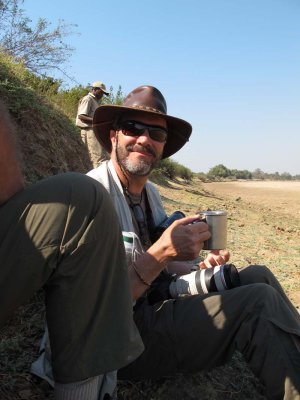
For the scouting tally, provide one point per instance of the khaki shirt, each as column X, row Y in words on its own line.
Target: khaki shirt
column 87, row 106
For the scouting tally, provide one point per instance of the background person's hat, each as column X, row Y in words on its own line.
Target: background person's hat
column 101, row 86
column 145, row 100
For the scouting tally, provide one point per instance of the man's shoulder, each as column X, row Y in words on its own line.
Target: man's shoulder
column 98, row 173
column 86, row 98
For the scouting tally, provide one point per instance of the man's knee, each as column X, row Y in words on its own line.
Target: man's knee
column 261, row 271
column 255, row 274
column 67, row 207
column 91, row 207
column 263, row 290
column 72, row 189
column 69, row 180
column 260, row 295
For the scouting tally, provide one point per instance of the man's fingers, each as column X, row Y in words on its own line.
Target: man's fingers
column 194, row 223
column 188, row 220
column 216, row 257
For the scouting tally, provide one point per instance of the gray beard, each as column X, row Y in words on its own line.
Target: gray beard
column 139, row 168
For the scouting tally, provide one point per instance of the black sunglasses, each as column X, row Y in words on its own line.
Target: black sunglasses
column 133, row 128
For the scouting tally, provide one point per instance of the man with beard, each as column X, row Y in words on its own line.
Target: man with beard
column 190, row 333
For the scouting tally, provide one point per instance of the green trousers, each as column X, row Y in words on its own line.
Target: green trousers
column 62, row 234
column 199, row 332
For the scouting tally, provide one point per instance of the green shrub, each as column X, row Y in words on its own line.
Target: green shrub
column 172, row 170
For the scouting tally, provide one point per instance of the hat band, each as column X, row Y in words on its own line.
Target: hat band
column 103, row 123
column 146, row 108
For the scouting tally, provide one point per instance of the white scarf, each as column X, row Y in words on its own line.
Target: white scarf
column 107, row 175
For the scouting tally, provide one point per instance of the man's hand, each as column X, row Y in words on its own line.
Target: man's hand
column 86, row 119
column 183, row 240
column 215, row 257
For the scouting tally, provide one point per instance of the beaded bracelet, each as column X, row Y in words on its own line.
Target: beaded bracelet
column 139, row 275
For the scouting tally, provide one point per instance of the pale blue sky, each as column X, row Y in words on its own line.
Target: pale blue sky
column 229, row 67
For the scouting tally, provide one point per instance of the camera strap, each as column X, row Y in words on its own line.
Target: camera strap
column 150, row 220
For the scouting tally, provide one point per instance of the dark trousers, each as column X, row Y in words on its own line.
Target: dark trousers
column 63, row 234
column 196, row 333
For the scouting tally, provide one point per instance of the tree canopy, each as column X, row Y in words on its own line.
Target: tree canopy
column 41, row 48
column 221, row 172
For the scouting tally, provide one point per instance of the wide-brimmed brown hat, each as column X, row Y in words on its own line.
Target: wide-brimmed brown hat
column 145, row 100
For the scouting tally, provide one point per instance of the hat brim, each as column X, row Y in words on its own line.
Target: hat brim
column 106, row 93
column 179, row 130
column 103, row 91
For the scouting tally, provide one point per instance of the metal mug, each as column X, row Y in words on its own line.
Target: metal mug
column 217, row 222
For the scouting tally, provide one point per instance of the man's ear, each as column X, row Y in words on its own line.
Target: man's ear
column 113, row 136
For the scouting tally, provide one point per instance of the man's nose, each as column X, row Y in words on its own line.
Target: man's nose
column 144, row 137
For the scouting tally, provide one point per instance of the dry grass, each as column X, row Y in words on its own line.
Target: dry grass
column 264, row 227
column 261, row 230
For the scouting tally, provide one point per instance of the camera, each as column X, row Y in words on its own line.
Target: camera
column 170, row 286
column 216, row 279
column 203, row 281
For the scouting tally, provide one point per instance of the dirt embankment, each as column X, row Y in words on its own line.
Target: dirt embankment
column 49, row 141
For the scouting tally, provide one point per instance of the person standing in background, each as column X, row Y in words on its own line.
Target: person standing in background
column 84, row 120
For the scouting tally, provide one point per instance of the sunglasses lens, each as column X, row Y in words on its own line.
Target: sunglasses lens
column 158, row 134
column 129, row 129
column 132, row 128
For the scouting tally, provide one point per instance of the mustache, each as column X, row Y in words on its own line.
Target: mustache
column 139, row 148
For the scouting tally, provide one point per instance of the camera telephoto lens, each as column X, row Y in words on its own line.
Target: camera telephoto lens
column 217, row 279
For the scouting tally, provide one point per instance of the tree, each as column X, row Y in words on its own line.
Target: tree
column 240, row 174
column 286, row 176
column 185, row 173
column 40, row 48
column 219, row 171
column 258, row 174
column 168, row 168
column 116, row 99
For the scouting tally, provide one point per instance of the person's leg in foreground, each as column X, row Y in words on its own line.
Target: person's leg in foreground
column 63, row 234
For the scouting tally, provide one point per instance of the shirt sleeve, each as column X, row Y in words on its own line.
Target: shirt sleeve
column 84, row 107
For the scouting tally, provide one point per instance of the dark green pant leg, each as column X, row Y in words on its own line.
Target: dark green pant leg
column 197, row 333
column 262, row 274
column 63, row 234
